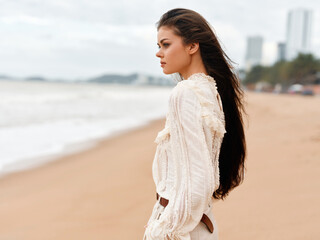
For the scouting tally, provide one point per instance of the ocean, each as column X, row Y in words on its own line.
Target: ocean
column 40, row 121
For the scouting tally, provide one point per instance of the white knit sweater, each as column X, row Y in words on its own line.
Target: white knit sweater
column 186, row 163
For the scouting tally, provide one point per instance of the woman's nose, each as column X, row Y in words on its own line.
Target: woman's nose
column 159, row 54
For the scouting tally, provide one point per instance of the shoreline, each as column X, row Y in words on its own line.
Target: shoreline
column 68, row 150
column 73, row 149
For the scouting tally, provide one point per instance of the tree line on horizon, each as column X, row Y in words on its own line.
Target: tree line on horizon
column 304, row 69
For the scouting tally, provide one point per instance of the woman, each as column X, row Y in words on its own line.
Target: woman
column 201, row 151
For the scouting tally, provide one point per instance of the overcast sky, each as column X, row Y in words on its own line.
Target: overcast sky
column 77, row 39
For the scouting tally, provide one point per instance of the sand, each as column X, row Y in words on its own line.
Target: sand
column 107, row 192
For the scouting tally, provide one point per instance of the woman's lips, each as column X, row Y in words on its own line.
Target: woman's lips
column 162, row 64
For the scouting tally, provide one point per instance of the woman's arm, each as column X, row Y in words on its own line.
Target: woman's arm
column 194, row 178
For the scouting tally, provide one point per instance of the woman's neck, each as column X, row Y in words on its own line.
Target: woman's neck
column 196, row 66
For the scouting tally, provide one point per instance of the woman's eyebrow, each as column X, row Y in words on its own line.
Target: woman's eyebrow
column 162, row 40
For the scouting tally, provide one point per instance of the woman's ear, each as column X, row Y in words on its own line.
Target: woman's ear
column 193, row 47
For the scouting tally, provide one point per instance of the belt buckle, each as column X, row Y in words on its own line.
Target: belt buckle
column 164, row 202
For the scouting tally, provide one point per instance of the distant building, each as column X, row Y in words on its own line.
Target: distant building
column 281, row 56
column 298, row 38
column 254, row 52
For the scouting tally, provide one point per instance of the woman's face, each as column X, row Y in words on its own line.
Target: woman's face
column 172, row 52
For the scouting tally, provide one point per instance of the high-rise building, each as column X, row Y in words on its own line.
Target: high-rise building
column 281, row 51
column 254, row 52
column 298, row 39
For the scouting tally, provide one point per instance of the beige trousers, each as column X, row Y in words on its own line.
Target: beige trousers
column 201, row 232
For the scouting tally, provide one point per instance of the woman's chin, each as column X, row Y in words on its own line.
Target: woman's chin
column 165, row 71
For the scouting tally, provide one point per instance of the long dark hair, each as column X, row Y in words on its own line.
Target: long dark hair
column 193, row 28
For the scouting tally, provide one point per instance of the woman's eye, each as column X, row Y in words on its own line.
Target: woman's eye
column 165, row 45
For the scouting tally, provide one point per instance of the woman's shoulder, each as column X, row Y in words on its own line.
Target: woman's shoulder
column 200, row 91
column 196, row 82
column 184, row 90
column 195, row 87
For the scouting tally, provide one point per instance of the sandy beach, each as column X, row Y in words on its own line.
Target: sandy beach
column 107, row 192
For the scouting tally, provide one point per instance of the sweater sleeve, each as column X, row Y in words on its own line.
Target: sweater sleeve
column 194, row 177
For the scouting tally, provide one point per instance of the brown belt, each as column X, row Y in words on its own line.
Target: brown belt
column 205, row 219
